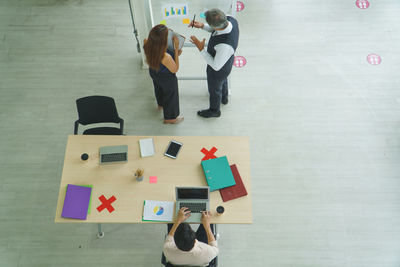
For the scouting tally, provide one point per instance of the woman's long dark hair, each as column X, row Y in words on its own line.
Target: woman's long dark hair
column 156, row 46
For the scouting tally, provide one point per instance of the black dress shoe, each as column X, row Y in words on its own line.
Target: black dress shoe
column 208, row 113
column 224, row 100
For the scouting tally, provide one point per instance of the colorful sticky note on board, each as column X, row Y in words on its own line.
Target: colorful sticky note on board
column 163, row 22
column 153, row 179
column 186, row 21
column 90, row 200
column 202, row 15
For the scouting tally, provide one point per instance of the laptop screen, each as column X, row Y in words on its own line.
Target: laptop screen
column 192, row 193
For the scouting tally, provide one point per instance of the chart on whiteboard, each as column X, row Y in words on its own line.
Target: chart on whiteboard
column 178, row 14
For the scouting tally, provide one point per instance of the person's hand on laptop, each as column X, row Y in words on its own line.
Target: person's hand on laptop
column 183, row 214
column 205, row 217
column 205, row 220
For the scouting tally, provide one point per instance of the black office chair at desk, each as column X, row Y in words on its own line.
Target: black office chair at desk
column 213, row 263
column 98, row 109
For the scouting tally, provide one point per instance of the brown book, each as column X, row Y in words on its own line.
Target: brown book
column 235, row 191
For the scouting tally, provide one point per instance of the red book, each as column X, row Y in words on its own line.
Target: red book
column 235, row 191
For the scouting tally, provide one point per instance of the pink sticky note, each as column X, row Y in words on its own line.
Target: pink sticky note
column 153, row 179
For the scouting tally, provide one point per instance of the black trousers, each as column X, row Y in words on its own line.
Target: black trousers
column 218, row 90
column 166, row 92
column 217, row 82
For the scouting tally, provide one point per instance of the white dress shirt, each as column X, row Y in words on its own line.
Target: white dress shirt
column 200, row 255
column 223, row 52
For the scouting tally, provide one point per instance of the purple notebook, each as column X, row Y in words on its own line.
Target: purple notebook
column 76, row 202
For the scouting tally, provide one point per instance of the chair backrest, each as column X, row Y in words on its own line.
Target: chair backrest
column 97, row 109
column 213, row 263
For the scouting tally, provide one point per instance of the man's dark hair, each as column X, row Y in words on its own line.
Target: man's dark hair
column 216, row 18
column 184, row 237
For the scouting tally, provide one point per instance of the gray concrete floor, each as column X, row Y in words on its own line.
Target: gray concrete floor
column 323, row 124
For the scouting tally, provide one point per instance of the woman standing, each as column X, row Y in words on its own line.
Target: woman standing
column 163, row 64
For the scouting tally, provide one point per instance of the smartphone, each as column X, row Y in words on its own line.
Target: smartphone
column 173, row 149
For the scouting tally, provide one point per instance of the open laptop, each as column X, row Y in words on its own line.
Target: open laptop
column 197, row 199
column 113, row 154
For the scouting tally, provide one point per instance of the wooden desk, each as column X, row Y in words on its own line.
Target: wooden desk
column 118, row 179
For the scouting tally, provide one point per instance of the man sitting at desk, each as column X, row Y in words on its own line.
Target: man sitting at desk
column 183, row 246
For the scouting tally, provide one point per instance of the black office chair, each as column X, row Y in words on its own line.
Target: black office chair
column 98, row 109
column 213, row 263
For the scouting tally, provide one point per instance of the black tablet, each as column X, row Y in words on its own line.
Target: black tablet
column 173, row 149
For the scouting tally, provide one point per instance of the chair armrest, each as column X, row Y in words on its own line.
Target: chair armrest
column 76, row 127
column 121, row 123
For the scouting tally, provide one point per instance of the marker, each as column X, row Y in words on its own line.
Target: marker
column 193, row 20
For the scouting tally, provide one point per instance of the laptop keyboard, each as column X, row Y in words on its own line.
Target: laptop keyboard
column 194, row 207
column 114, row 157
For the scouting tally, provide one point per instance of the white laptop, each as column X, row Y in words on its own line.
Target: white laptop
column 197, row 199
column 113, row 154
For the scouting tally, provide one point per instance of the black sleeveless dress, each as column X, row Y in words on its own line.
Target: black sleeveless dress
column 166, row 90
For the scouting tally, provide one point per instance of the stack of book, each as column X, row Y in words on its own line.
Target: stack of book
column 220, row 176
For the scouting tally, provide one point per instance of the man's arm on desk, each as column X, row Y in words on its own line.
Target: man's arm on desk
column 212, row 250
column 205, row 220
column 183, row 214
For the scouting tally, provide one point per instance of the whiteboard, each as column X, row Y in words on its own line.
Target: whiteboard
column 159, row 8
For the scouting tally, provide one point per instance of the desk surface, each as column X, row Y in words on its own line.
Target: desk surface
column 118, row 179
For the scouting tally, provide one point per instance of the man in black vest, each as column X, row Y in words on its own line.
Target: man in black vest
column 219, row 56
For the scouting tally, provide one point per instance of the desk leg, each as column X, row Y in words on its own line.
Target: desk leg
column 216, row 232
column 100, row 234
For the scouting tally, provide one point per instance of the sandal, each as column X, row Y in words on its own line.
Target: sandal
column 174, row 121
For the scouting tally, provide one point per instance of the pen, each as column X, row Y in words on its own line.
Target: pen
column 193, row 20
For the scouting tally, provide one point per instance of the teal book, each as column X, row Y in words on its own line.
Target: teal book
column 218, row 173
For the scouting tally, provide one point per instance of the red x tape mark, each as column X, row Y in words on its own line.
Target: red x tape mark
column 208, row 154
column 106, row 204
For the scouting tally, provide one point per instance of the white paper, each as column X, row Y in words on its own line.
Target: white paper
column 155, row 210
column 146, row 147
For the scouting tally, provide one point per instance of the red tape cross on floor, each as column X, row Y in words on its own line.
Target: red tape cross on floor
column 106, row 204
column 209, row 154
